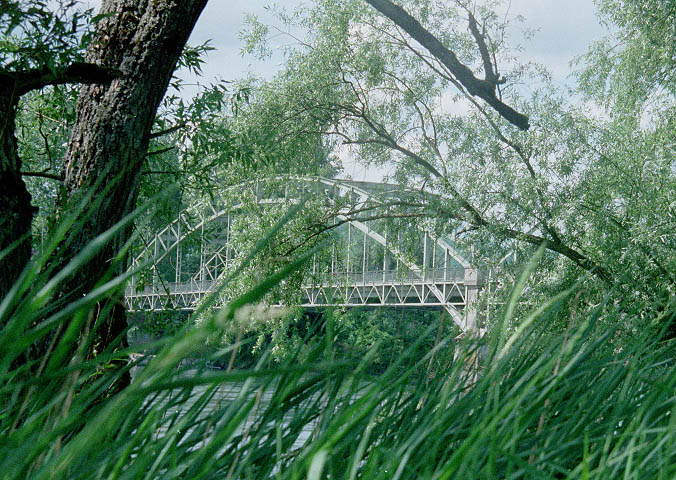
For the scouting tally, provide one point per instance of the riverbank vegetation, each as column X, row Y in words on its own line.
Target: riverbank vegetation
column 574, row 376
column 535, row 405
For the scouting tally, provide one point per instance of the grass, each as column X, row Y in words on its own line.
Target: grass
column 538, row 406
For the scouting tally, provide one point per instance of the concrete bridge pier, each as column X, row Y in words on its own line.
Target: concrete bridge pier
column 472, row 288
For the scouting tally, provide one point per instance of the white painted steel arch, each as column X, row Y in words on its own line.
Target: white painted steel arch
column 453, row 292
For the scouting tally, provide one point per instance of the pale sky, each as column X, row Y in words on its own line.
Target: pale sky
column 565, row 29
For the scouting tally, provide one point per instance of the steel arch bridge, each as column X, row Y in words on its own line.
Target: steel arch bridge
column 366, row 267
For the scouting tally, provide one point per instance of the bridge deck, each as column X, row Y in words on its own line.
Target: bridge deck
column 419, row 269
column 437, row 287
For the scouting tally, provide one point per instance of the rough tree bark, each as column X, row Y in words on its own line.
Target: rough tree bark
column 143, row 39
column 15, row 201
column 16, row 211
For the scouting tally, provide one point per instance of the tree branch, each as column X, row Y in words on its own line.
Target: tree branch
column 161, row 172
column 490, row 70
column 78, row 72
column 475, row 217
column 483, row 89
column 160, row 151
column 51, row 176
column 167, row 131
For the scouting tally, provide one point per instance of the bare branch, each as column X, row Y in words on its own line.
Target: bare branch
column 51, row 176
column 160, row 172
column 48, row 150
column 160, row 151
column 490, row 73
column 167, row 131
column 483, row 89
column 78, row 72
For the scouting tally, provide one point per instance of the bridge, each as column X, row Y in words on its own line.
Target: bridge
column 370, row 263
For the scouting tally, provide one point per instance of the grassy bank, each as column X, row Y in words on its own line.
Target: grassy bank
column 571, row 406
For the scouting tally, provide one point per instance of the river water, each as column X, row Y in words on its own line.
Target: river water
column 228, row 392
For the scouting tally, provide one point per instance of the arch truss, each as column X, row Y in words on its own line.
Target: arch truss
column 366, row 267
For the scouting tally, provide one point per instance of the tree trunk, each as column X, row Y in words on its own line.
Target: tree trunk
column 16, row 211
column 142, row 40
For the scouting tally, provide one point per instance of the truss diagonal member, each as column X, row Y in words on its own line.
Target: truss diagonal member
column 360, row 195
column 457, row 317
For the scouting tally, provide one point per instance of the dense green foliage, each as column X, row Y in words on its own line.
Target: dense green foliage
column 593, row 176
column 382, row 334
column 37, row 34
column 540, row 406
column 575, row 376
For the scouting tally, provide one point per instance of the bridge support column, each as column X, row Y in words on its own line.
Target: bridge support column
column 156, row 275
column 471, row 296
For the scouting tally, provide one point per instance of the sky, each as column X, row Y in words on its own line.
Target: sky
column 564, row 29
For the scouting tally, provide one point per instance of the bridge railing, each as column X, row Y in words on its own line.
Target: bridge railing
column 376, row 277
column 172, row 288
